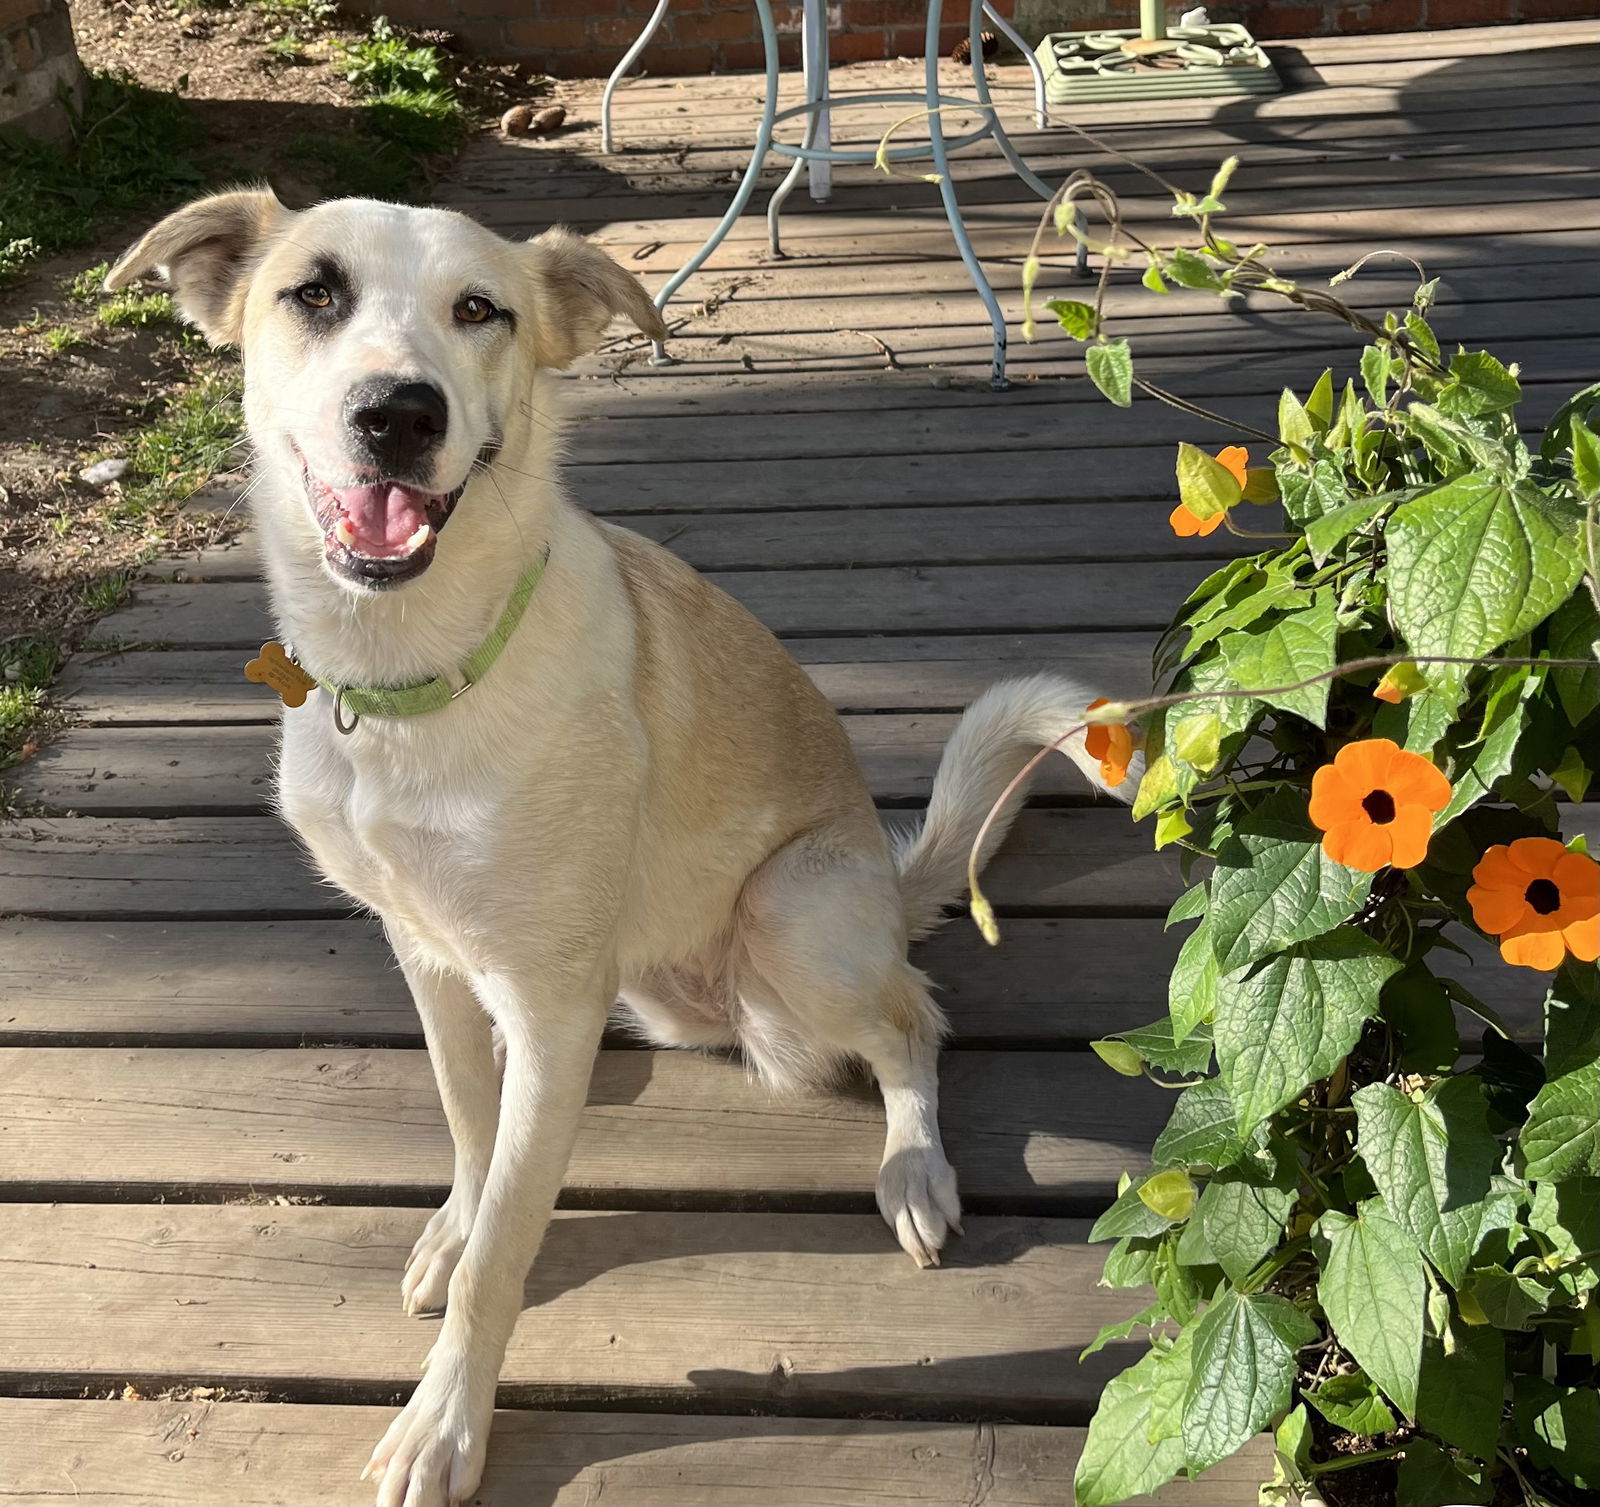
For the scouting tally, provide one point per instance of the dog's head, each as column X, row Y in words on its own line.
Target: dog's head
column 388, row 350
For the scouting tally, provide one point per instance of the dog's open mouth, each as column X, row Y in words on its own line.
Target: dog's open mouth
column 379, row 533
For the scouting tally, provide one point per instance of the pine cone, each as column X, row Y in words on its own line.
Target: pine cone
column 962, row 51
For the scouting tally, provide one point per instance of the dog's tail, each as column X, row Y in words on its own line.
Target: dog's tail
column 1000, row 732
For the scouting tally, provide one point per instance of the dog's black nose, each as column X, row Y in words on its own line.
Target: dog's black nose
column 397, row 424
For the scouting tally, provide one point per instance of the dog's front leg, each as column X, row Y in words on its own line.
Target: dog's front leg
column 434, row 1451
column 461, row 1047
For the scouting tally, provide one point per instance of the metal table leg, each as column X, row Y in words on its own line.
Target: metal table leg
column 747, row 185
column 1041, row 105
column 629, row 58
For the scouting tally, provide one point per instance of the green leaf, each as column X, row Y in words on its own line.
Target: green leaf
column 1311, row 495
column 1287, row 1024
column 1171, row 827
column 1170, row 1194
column 1462, row 1392
column 1158, row 787
column 1110, row 368
column 1479, row 384
column 1374, row 1292
column 1205, row 486
column 1431, row 1477
column 1153, row 280
column 1575, row 634
column 1351, row 1402
column 1507, row 1299
column 1118, row 1461
column 1422, row 299
column 1203, row 1132
column 1192, row 986
column 1191, row 271
column 1130, row 1261
column 1560, row 1427
column 1178, row 1286
column 1475, row 564
column 1079, row 320
column 1320, row 404
column 1375, row 362
column 1244, row 1364
column 1422, row 337
column 1197, row 740
column 1434, row 1161
column 1156, row 1044
column 1572, row 774
column 1154, row 1314
column 1561, row 1138
column 1295, row 428
column 1119, row 1057
column 1291, row 650
column 1274, row 886
column 1418, row 1008
column 1129, row 1215
column 1172, row 1384
column 1242, row 1216
column 1478, row 767
column 1325, row 534
column 1586, row 459
column 1291, row 1461
column 1188, row 905
column 1577, row 409
column 1567, row 1215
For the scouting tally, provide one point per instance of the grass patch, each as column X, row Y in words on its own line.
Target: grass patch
column 308, row 13
column 129, row 148
column 383, row 60
column 63, row 338
column 132, row 310
column 26, row 669
column 180, row 450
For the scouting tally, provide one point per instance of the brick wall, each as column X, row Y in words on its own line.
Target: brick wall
column 574, row 38
column 37, row 58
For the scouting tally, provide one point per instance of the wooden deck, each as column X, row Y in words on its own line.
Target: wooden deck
column 220, row 1132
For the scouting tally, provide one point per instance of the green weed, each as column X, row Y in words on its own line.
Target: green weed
column 384, row 61
column 131, row 309
column 191, row 439
column 128, row 148
column 63, row 338
column 26, row 670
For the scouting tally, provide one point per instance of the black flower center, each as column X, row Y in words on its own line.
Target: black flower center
column 1543, row 896
column 1380, row 807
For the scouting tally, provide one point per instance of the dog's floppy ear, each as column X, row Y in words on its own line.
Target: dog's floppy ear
column 583, row 291
column 205, row 252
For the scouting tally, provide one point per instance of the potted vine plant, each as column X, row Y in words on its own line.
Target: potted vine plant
column 1364, row 1232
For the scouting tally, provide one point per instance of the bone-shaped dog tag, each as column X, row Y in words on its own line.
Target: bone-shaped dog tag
column 274, row 668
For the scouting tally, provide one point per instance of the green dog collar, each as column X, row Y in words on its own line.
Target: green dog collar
column 430, row 695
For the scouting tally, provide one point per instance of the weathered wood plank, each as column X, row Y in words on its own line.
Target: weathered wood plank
column 795, row 1313
column 1017, row 598
column 925, row 674
column 198, row 1453
column 1082, row 860
column 1052, row 983
column 279, row 983
column 227, row 770
column 1048, row 1132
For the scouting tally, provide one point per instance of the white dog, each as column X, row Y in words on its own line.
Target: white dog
column 600, row 776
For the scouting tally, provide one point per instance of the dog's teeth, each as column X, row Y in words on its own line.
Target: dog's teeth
column 418, row 539
column 344, row 532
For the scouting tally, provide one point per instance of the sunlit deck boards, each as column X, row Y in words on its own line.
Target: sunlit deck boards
column 219, row 1131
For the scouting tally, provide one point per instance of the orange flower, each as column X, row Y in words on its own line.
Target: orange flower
column 1112, row 744
column 1184, row 524
column 1375, row 805
column 1389, row 690
column 1540, row 900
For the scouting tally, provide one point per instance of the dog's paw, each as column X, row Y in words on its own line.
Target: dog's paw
column 426, row 1284
column 433, row 1453
column 917, row 1198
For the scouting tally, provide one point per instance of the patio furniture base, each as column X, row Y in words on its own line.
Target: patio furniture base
column 1086, row 67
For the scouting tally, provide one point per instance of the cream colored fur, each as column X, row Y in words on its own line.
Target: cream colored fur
column 645, row 799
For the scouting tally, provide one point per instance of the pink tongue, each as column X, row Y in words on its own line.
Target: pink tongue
column 383, row 516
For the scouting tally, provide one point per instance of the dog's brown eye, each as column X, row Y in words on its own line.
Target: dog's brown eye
column 314, row 296
column 474, row 309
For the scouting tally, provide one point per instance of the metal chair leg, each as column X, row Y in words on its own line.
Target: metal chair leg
column 629, row 58
column 747, row 185
column 947, row 190
column 1041, row 105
